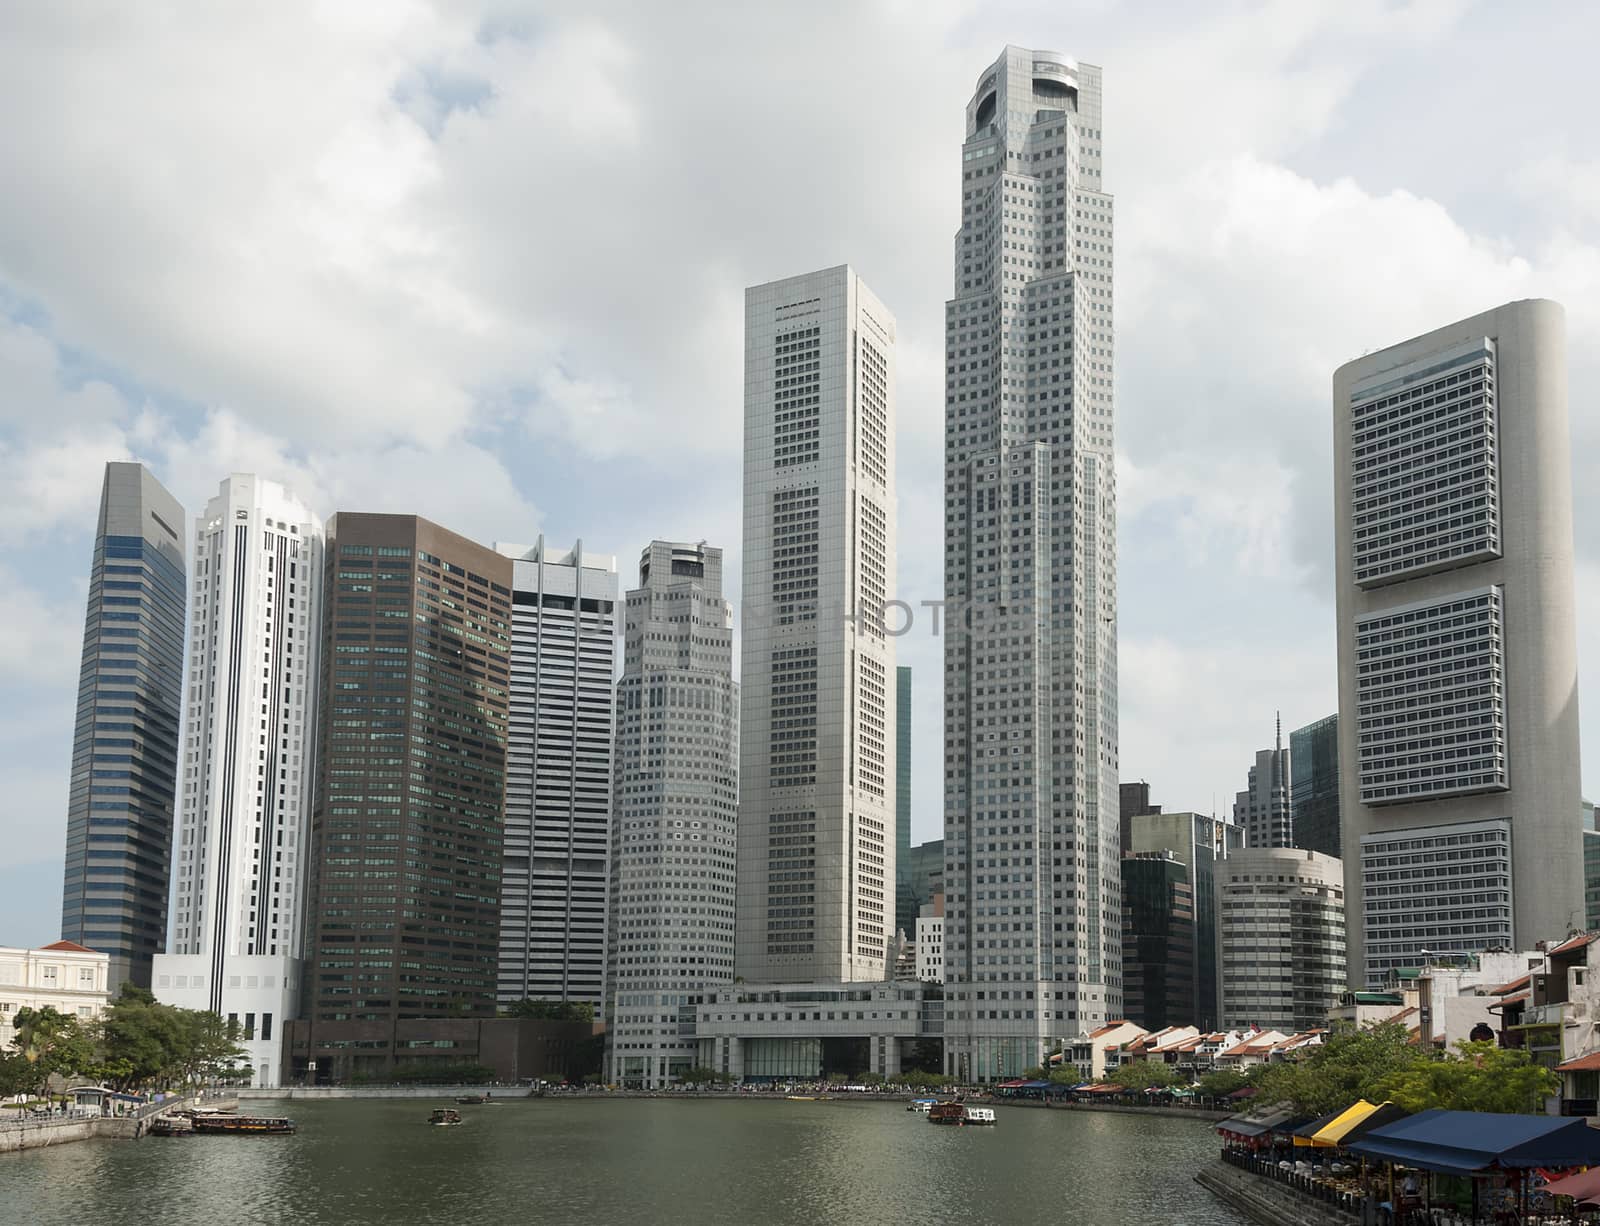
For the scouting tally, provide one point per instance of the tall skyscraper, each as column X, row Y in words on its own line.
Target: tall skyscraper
column 1314, row 786
column 240, row 858
column 1264, row 810
column 1282, row 937
column 817, row 743
column 1133, row 800
column 403, row 912
column 1158, row 940
column 905, row 894
column 1458, row 697
column 674, row 846
column 1033, row 908
column 1201, row 842
column 555, row 885
column 125, row 740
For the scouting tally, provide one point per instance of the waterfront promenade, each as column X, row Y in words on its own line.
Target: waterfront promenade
column 39, row 1132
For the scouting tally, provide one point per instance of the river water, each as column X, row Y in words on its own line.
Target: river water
column 708, row 1162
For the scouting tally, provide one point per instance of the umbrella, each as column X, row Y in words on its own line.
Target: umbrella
column 1583, row 1187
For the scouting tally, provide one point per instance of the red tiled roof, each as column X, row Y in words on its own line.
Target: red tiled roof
column 1509, row 987
column 68, row 947
column 1577, row 942
column 1511, row 1000
column 1580, row 1064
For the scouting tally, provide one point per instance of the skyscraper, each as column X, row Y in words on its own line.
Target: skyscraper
column 404, row 893
column 1264, row 810
column 817, row 742
column 1314, row 786
column 1033, row 909
column 125, row 739
column 556, row 881
column 1282, row 937
column 1200, row 842
column 673, row 850
column 1458, row 698
column 1158, row 939
column 240, row 856
column 905, row 895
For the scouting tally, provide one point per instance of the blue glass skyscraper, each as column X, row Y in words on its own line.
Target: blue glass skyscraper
column 125, row 740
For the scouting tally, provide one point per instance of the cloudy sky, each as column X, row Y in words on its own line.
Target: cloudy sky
column 485, row 263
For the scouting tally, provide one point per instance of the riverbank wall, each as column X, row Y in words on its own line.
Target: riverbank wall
column 17, row 1135
column 1269, row 1203
column 324, row 1093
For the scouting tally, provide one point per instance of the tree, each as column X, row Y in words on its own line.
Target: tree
column 1064, row 1077
column 48, row 1043
column 1225, row 1081
column 698, row 1076
column 147, row 1043
column 1143, row 1075
column 1482, row 1077
column 551, row 1010
column 16, row 1075
column 921, row 1079
column 1036, row 1073
column 1352, row 1064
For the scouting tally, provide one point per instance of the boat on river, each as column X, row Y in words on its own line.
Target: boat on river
column 445, row 1117
column 959, row 1115
column 923, row 1105
column 252, row 1125
column 471, row 1100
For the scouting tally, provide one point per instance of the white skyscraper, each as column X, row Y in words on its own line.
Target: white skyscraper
column 239, row 858
column 677, row 798
column 817, row 739
column 1033, row 933
column 1458, row 673
column 556, row 880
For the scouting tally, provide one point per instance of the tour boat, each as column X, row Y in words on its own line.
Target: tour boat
column 471, row 1099
column 960, row 1115
column 251, row 1124
column 445, row 1117
column 922, row 1105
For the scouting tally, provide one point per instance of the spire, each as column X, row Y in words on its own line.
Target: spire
column 1280, row 731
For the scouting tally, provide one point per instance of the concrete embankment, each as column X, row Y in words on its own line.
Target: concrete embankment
column 1269, row 1203
column 37, row 1134
column 322, row 1093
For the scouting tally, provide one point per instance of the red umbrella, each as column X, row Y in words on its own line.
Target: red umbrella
column 1583, row 1187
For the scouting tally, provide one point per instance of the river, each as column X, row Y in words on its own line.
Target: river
column 645, row 1161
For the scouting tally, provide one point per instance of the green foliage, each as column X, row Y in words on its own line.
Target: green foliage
column 1142, row 1075
column 921, row 1079
column 551, row 1010
column 441, row 1073
column 1351, row 1064
column 146, row 1043
column 1225, row 1081
column 16, row 1075
column 1064, row 1077
column 46, row 1043
column 1482, row 1077
column 698, row 1076
column 872, row 1079
column 1036, row 1073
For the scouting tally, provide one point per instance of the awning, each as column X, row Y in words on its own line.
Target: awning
column 1034, row 1085
column 1243, row 1127
column 1011, row 1085
column 1306, row 1135
column 1360, row 1120
column 1580, row 1064
column 1468, row 1142
column 1583, row 1187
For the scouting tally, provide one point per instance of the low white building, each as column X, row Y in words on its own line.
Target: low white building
column 65, row 977
column 1096, row 1053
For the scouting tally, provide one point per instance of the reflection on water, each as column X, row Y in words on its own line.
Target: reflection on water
column 658, row 1161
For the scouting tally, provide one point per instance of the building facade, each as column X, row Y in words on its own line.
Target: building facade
column 674, row 854
column 239, row 859
column 905, row 906
column 1314, row 786
column 1458, row 702
column 1281, row 933
column 123, row 790
column 555, row 882
column 1033, row 945
column 1591, row 870
column 1200, row 841
column 403, row 905
column 1264, row 810
column 1158, row 939
column 64, row 976
column 817, row 742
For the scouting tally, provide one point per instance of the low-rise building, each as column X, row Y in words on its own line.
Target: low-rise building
column 1252, row 1050
column 65, row 977
column 782, row 1032
column 1100, row 1050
